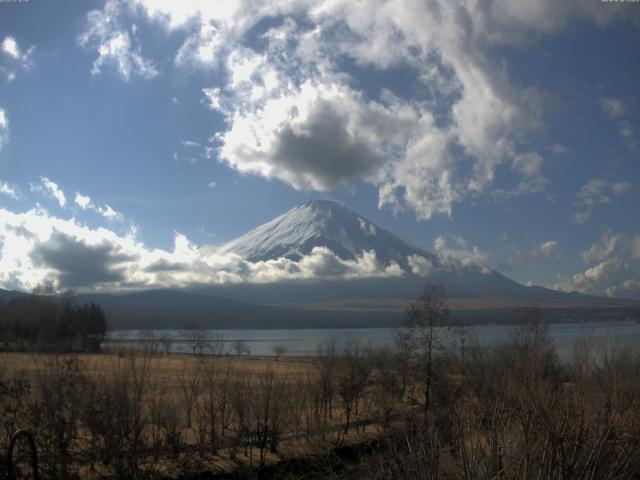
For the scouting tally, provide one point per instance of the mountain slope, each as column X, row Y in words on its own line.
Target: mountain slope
column 321, row 223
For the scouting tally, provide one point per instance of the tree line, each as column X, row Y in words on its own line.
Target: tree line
column 47, row 322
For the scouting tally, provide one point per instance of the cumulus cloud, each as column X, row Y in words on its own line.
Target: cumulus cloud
column 614, row 270
column 294, row 114
column 421, row 266
column 626, row 130
column 86, row 203
column 75, row 263
column 37, row 247
column 9, row 190
column 529, row 165
column 599, row 251
column 537, row 253
column 614, row 277
column 315, row 136
column 83, row 201
column 614, row 107
column 597, row 192
column 460, row 256
column 14, row 58
column 50, row 190
column 115, row 46
column 287, row 94
column 10, row 47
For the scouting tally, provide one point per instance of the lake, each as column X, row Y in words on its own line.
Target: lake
column 307, row 341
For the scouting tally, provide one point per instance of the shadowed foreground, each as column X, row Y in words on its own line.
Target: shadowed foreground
column 508, row 412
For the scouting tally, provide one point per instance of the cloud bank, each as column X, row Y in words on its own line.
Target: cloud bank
column 613, row 268
column 294, row 113
column 36, row 247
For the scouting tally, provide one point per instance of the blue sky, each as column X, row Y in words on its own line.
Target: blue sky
column 508, row 130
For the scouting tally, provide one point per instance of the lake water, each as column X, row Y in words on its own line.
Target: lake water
column 307, row 341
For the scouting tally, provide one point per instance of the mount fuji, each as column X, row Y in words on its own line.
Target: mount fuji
column 332, row 225
column 323, row 223
column 476, row 292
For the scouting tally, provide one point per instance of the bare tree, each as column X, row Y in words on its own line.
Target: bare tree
column 279, row 349
column 240, row 347
column 353, row 377
column 197, row 338
column 207, row 406
column 216, row 344
column 166, row 341
column 190, row 384
column 223, row 395
column 424, row 319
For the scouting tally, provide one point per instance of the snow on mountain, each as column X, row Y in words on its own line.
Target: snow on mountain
column 323, row 223
column 332, row 225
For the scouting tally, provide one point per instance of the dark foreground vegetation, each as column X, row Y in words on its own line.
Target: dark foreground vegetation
column 47, row 322
column 420, row 412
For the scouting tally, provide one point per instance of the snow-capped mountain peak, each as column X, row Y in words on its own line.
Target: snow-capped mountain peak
column 321, row 223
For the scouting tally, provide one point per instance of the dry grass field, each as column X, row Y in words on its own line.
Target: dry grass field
column 184, row 413
column 511, row 412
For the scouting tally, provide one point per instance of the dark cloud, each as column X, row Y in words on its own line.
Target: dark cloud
column 77, row 264
column 161, row 266
column 324, row 153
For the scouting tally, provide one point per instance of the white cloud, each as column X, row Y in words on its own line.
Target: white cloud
column 4, row 129
column 86, row 203
column 114, row 44
column 282, row 100
column 50, row 190
column 460, row 258
column 537, row 253
column 600, row 251
column 597, row 192
column 559, row 149
column 9, row 190
column 83, row 201
column 368, row 228
column 619, row 188
column 15, row 58
column 614, row 270
column 211, row 184
column 10, row 47
column 614, row 277
column 529, row 165
column 614, row 107
column 36, row 246
column 315, row 136
column 110, row 214
column 420, row 265
column 626, row 130
column 293, row 113
column 583, row 216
